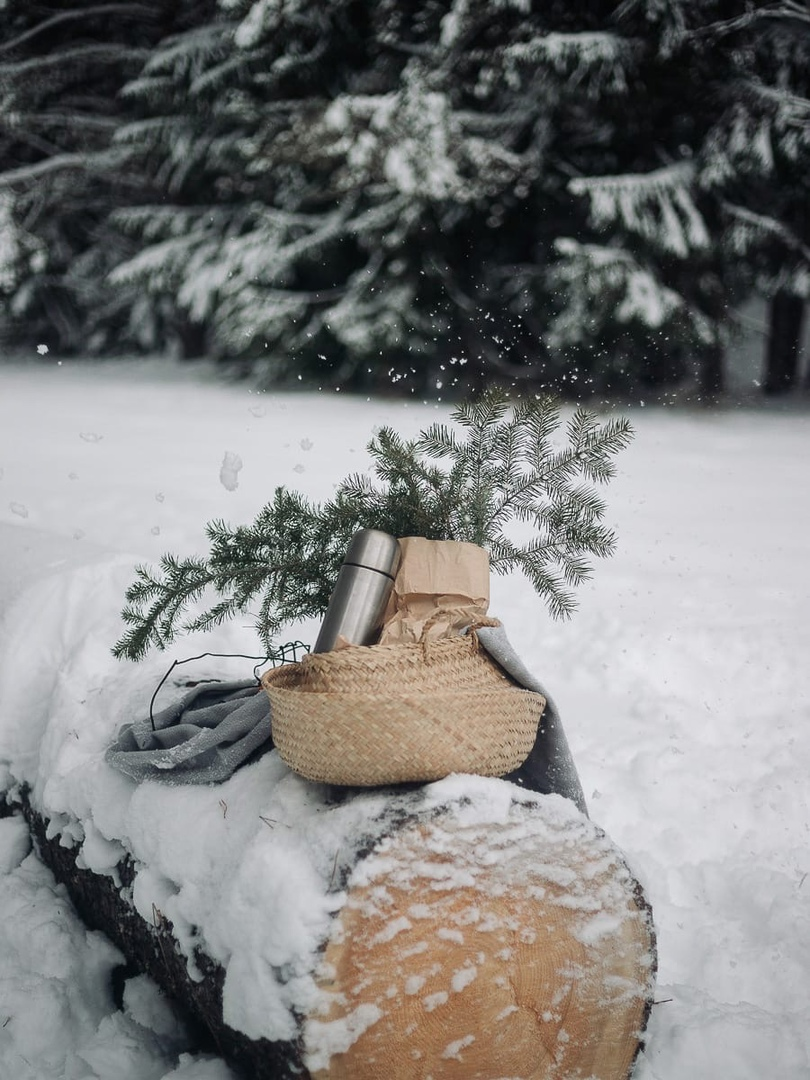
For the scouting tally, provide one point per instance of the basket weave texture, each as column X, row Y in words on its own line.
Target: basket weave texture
column 386, row 714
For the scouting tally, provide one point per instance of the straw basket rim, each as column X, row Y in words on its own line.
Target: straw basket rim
column 402, row 713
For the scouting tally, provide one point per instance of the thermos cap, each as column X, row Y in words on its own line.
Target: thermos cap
column 374, row 550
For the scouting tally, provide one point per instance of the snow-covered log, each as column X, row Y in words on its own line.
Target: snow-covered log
column 474, row 930
column 150, row 947
column 463, row 928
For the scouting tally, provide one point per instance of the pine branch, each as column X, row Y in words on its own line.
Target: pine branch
column 92, row 162
column 163, row 597
column 499, row 466
column 142, row 11
column 101, row 52
column 768, row 226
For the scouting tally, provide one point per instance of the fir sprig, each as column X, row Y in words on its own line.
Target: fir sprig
column 497, row 467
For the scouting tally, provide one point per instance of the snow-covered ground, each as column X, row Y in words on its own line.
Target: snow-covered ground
column 682, row 681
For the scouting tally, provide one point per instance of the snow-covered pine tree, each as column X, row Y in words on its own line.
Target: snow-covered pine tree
column 61, row 65
column 756, row 160
column 723, row 209
column 184, row 141
column 371, row 192
column 233, row 243
column 644, row 292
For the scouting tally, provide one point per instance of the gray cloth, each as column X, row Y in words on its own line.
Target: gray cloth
column 549, row 768
column 201, row 739
column 206, row 735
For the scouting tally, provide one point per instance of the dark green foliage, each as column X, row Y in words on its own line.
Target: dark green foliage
column 756, row 163
column 366, row 194
column 498, row 480
column 725, row 212
column 431, row 196
column 62, row 67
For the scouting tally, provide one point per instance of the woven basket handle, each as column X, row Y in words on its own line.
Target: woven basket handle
column 479, row 620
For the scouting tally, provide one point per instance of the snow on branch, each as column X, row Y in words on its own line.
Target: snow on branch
column 47, row 118
column 10, row 247
column 584, row 49
column 221, row 74
column 267, row 17
column 416, row 144
column 785, row 11
column 460, row 20
column 787, row 108
column 764, row 224
column 765, row 122
column 598, row 61
column 601, row 284
column 789, row 9
column 365, row 318
column 206, row 263
column 141, row 10
column 91, row 162
column 160, row 264
column 656, row 206
column 182, row 56
column 82, row 54
column 163, row 220
column 405, row 138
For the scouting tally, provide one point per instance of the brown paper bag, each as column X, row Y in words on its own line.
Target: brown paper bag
column 441, row 584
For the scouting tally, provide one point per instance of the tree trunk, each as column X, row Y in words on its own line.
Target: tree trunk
column 503, row 936
column 712, row 373
column 192, row 338
column 784, row 342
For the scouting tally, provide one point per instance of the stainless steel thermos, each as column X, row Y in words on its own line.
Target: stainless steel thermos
column 364, row 583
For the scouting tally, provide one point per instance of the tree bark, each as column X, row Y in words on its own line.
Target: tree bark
column 784, row 343
column 192, row 338
column 151, row 949
column 712, row 373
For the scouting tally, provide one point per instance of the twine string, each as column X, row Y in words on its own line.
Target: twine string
column 284, row 654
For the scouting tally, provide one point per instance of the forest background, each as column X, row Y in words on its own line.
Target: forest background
column 429, row 197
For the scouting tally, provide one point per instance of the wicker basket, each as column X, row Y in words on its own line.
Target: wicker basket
column 389, row 714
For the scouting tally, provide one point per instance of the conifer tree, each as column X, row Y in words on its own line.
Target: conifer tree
column 223, row 241
column 756, row 160
column 367, row 192
column 61, row 65
column 432, row 195
column 647, row 290
column 726, row 212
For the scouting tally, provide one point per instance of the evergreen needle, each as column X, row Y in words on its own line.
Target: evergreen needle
column 498, row 467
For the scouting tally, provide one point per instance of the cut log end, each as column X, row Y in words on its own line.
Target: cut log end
column 469, row 951
column 486, row 936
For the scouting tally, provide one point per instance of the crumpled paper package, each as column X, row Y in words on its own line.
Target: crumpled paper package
column 441, row 587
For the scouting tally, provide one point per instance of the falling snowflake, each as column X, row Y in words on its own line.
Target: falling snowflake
column 229, row 471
